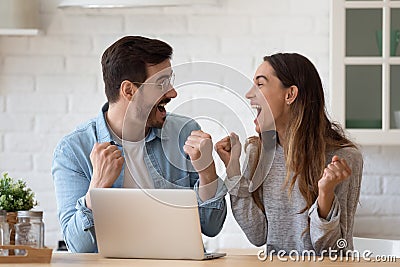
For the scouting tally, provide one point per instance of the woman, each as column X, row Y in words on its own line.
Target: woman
column 303, row 193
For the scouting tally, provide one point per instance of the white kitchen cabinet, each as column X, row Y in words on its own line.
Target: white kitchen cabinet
column 365, row 69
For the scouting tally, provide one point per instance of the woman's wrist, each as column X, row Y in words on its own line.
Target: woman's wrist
column 326, row 193
column 233, row 168
column 325, row 201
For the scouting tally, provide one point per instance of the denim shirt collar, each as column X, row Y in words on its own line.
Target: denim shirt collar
column 158, row 133
column 152, row 135
column 103, row 135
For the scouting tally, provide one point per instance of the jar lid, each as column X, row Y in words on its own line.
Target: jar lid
column 36, row 213
column 23, row 213
column 29, row 213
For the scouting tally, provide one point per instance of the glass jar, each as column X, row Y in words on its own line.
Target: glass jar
column 37, row 218
column 4, row 233
column 29, row 229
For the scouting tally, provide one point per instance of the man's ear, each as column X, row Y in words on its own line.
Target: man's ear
column 127, row 90
column 291, row 94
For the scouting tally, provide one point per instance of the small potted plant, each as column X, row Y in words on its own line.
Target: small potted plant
column 15, row 196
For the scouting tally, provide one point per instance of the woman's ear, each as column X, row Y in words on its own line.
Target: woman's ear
column 127, row 90
column 291, row 94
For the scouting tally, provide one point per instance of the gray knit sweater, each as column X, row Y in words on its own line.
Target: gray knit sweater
column 282, row 226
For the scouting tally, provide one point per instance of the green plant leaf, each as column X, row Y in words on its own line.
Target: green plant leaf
column 15, row 195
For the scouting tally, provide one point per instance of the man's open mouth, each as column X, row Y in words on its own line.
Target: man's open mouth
column 161, row 105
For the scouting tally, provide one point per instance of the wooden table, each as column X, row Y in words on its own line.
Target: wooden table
column 231, row 260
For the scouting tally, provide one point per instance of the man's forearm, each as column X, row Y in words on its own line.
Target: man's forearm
column 78, row 240
column 212, row 219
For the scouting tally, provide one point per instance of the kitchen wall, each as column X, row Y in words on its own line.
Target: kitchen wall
column 51, row 82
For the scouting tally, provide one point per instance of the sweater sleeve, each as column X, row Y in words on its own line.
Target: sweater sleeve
column 250, row 218
column 338, row 226
column 248, row 215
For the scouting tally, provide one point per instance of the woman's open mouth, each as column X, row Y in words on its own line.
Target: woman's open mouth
column 258, row 108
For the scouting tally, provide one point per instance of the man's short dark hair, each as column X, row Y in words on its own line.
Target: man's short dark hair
column 126, row 59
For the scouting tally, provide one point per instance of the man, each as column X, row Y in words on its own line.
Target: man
column 160, row 150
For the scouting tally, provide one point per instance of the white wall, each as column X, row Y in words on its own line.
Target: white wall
column 51, row 82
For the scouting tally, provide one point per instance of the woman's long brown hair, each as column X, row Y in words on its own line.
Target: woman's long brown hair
column 310, row 134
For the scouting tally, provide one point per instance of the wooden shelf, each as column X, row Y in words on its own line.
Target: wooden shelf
column 132, row 3
column 19, row 32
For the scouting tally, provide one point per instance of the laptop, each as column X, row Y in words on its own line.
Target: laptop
column 148, row 223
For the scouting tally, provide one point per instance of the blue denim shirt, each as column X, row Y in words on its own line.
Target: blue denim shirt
column 72, row 172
